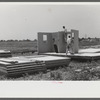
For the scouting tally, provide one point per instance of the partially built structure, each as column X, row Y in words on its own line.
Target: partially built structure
column 47, row 57
column 46, row 41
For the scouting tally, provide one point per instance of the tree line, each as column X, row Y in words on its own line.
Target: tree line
column 11, row 40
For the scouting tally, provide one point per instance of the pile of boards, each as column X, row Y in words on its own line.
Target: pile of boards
column 14, row 66
column 53, row 61
column 10, row 67
column 4, row 53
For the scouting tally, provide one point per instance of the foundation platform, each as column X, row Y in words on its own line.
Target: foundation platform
column 83, row 54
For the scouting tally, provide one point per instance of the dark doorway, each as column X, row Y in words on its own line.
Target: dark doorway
column 55, row 46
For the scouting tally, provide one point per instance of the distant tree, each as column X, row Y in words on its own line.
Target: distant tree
column 89, row 38
column 10, row 40
column 28, row 40
column 83, row 38
column 96, row 39
column 79, row 39
column 16, row 40
column 35, row 40
column 20, row 40
column 2, row 40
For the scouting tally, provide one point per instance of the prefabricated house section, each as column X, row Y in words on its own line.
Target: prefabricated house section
column 46, row 41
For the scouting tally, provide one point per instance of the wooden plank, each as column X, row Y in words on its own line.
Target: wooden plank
column 19, row 65
column 22, row 70
column 25, row 71
column 2, row 67
column 3, row 71
column 24, row 67
column 20, row 73
column 28, row 64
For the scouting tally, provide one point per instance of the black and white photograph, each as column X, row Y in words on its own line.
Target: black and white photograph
column 49, row 50
column 49, row 42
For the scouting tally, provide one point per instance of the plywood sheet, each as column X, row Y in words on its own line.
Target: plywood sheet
column 90, row 53
column 90, row 50
column 23, row 64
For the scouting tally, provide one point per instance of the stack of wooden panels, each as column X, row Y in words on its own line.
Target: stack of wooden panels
column 4, row 53
column 26, row 64
column 16, row 67
column 53, row 61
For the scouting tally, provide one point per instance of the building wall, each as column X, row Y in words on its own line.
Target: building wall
column 61, row 42
column 45, row 45
column 76, row 41
column 48, row 46
column 55, row 36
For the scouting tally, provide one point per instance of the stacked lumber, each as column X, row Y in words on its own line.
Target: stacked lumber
column 53, row 61
column 4, row 53
column 30, row 64
column 17, row 68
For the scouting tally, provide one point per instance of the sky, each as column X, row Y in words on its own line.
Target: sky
column 24, row 21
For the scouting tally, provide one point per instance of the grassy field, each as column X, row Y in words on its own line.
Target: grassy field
column 17, row 47
column 75, row 71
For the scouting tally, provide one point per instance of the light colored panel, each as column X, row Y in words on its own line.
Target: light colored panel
column 62, row 43
column 76, row 41
column 44, row 42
